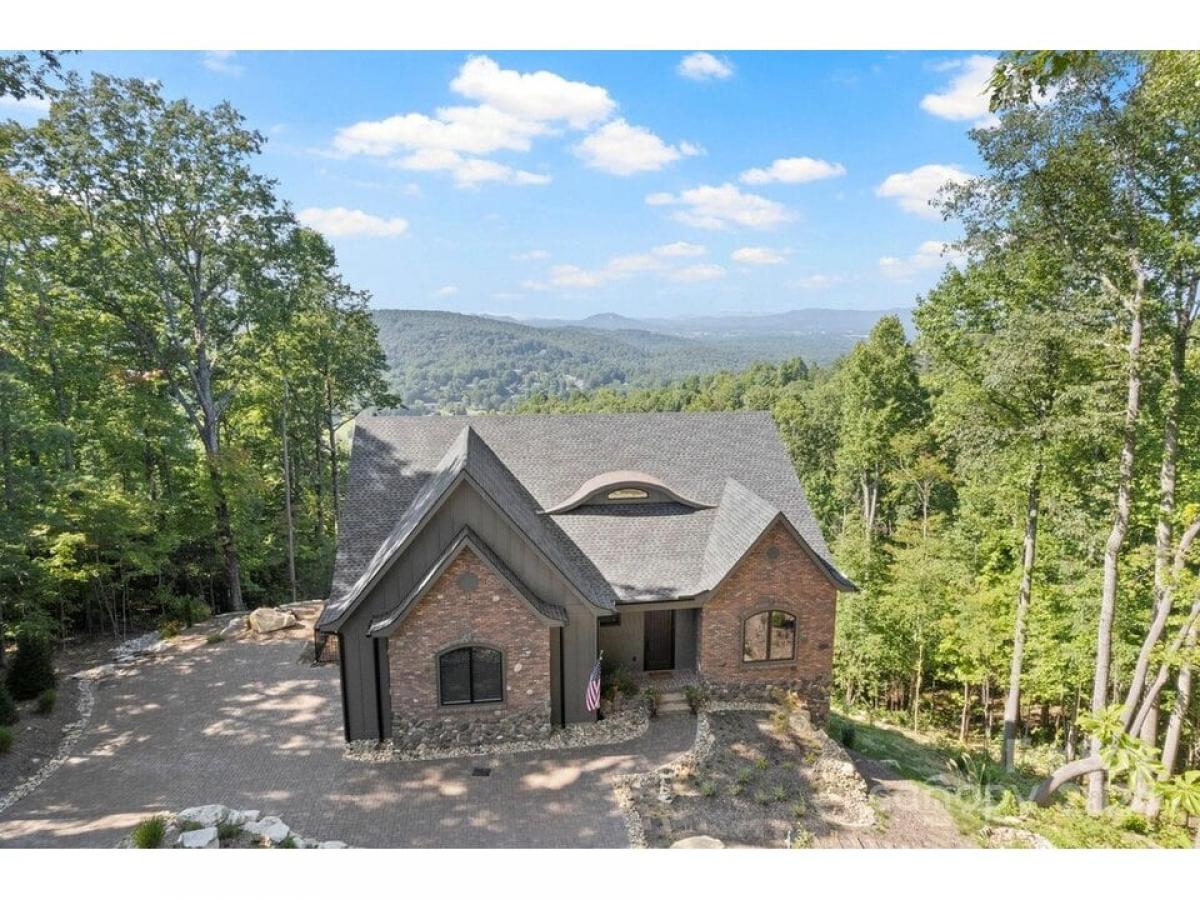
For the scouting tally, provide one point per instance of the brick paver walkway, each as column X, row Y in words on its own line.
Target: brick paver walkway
column 245, row 724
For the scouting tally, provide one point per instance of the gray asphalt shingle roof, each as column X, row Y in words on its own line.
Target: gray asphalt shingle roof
column 733, row 462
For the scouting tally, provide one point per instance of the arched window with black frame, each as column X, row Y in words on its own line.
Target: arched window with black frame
column 769, row 636
column 470, row 675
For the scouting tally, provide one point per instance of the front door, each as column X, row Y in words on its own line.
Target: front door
column 659, row 651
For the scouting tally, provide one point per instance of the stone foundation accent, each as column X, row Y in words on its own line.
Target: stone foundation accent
column 813, row 692
column 446, row 732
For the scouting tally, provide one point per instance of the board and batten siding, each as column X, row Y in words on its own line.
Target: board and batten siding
column 368, row 705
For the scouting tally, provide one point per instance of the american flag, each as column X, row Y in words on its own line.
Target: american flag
column 593, row 686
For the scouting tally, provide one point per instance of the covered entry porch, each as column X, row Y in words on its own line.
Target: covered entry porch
column 651, row 639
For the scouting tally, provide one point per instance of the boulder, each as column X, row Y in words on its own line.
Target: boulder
column 233, row 627
column 270, row 827
column 264, row 620
column 211, row 814
column 698, row 842
column 200, row 839
column 332, row 845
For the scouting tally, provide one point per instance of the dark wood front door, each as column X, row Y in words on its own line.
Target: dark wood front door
column 659, row 651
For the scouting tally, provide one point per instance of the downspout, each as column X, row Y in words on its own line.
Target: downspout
column 562, row 681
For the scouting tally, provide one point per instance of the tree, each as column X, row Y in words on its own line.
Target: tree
column 173, row 227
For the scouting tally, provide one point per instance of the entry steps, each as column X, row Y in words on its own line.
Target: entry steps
column 672, row 703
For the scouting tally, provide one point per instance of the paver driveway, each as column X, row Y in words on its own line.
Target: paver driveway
column 245, row 724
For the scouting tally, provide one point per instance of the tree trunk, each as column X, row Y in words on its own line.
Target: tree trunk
column 287, row 496
column 1116, row 537
column 1183, row 699
column 1012, row 705
column 1142, row 787
column 917, row 676
column 985, row 692
column 1089, row 765
column 964, row 719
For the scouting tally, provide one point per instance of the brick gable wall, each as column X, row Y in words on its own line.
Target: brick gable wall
column 469, row 604
column 777, row 573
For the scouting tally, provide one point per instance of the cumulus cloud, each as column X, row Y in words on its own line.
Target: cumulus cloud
column 757, row 256
column 965, row 98
column 223, row 62
column 704, row 67
column 678, row 248
column 692, row 274
column 623, row 149
column 915, row 190
column 341, row 222
column 930, row 255
column 458, row 129
column 721, row 206
column 534, row 96
column 467, row 171
column 793, row 170
column 448, row 290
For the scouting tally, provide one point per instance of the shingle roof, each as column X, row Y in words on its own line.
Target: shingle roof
column 534, row 463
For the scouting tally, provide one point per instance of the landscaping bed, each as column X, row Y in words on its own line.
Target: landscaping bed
column 758, row 777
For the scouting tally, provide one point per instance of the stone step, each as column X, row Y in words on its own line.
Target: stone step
column 663, row 709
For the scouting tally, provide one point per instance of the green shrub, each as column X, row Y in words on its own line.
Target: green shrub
column 744, row 776
column 799, row 809
column 149, row 833
column 6, row 739
column 288, row 843
column 8, row 707
column 46, row 701
column 1008, row 805
column 848, row 736
column 169, row 628
column 227, row 831
column 1134, row 823
column 625, row 682
column 189, row 825
column 650, row 695
column 779, row 794
column 214, row 638
column 762, row 763
column 802, row 839
column 696, row 696
column 32, row 668
column 707, row 789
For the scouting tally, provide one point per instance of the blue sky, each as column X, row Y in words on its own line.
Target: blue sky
column 566, row 184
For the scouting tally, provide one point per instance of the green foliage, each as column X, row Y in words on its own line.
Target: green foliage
column 6, row 738
column 696, row 697
column 288, row 843
column 149, row 833
column 8, row 707
column 214, row 638
column 31, row 670
column 227, row 831
column 46, row 701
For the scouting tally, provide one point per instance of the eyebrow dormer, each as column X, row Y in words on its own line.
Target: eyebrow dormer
column 624, row 486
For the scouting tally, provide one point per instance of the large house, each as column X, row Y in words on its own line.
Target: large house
column 484, row 563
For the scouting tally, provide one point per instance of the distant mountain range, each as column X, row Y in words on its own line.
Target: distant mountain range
column 449, row 362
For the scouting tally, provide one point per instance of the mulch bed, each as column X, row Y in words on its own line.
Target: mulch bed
column 36, row 737
column 754, row 789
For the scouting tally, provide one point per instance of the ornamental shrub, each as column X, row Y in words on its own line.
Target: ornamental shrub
column 8, row 708
column 32, row 668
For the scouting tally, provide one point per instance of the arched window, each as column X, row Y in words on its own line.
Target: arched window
column 768, row 636
column 471, row 675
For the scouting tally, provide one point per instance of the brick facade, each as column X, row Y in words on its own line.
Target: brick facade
column 469, row 604
column 776, row 574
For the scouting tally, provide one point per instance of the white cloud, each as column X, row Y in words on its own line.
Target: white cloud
column 467, row 171
column 574, row 276
column 623, row 149
column 534, row 96
column 341, row 222
column 25, row 104
column 530, row 255
column 793, row 170
column 721, row 206
column 915, row 190
column 965, row 98
column 678, row 248
column 930, row 255
column 692, row 274
column 704, row 67
column 757, row 256
column 222, row 62
column 818, row 281
column 460, row 129
column 448, row 290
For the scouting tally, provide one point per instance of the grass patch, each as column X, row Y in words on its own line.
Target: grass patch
column 227, row 831
column 149, row 833
column 6, row 738
column 189, row 825
column 46, row 701
column 288, row 843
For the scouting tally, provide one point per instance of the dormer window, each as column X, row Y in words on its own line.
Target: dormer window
column 628, row 494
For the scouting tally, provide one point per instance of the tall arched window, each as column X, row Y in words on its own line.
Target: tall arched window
column 768, row 636
column 471, row 675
